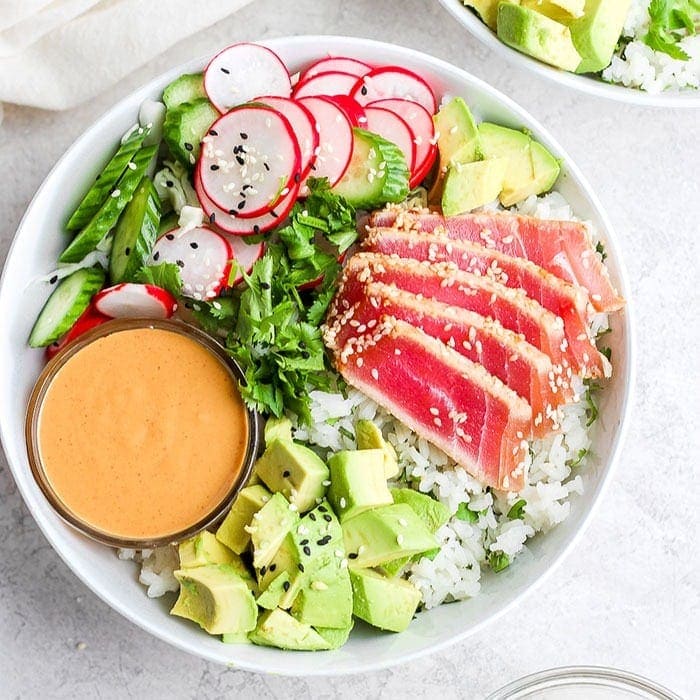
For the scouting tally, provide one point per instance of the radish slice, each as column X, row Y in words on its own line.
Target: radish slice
column 129, row 300
column 393, row 128
column 90, row 318
column 355, row 113
column 203, row 256
column 250, row 158
column 303, row 125
column 245, row 255
column 420, row 122
column 326, row 84
column 336, row 65
column 336, row 140
column 244, row 227
column 393, row 81
column 242, row 71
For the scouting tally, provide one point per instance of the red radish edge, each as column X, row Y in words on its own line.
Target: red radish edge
column 357, row 91
column 324, row 85
column 341, row 64
column 130, row 300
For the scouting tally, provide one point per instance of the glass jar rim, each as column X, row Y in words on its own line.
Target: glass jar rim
column 33, row 413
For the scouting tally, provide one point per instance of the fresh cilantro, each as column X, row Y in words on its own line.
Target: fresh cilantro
column 669, row 22
column 165, row 275
column 216, row 317
column 600, row 249
column 576, row 462
column 346, row 433
column 516, row 510
column 591, row 405
column 463, row 513
column 498, row 561
column 606, row 352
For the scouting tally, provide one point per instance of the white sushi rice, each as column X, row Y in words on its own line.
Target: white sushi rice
column 554, row 464
column 637, row 65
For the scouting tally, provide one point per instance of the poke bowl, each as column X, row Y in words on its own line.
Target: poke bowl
column 622, row 80
column 492, row 580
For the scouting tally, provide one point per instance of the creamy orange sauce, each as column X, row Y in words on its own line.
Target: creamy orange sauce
column 142, row 433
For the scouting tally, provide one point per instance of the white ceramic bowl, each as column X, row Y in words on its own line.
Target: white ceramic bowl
column 584, row 83
column 40, row 239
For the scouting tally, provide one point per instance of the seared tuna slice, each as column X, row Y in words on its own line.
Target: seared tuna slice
column 519, row 365
column 563, row 299
column 563, row 248
column 446, row 283
column 449, row 400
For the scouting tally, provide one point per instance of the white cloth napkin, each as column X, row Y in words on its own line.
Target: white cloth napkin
column 55, row 54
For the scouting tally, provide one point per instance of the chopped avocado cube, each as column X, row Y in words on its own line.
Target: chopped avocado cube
column 269, row 527
column 203, row 549
column 387, row 603
column 595, row 34
column 271, row 597
column 277, row 628
column 232, row 532
column 396, row 566
column 472, row 185
column 527, row 174
column 433, row 513
column 357, row 482
column 325, row 603
column 294, row 471
column 313, row 551
column 537, row 35
column 216, row 598
column 369, row 437
column 335, row 637
column 457, row 133
column 235, row 638
column 382, row 534
column 487, row 9
column 278, row 429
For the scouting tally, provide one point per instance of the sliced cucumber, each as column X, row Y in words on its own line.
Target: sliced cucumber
column 106, row 216
column 377, row 172
column 185, row 126
column 186, row 88
column 65, row 305
column 135, row 233
column 106, row 180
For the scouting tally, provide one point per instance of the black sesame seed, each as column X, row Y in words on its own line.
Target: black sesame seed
column 303, row 542
column 242, row 194
column 267, row 167
column 212, row 132
column 233, row 212
column 169, row 183
column 327, row 518
column 53, row 280
column 225, row 70
column 305, row 354
column 286, row 473
column 307, row 551
column 286, row 586
column 302, row 345
column 312, row 516
column 323, row 541
column 300, row 566
column 352, row 555
column 256, row 229
column 272, row 567
column 321, row 509
column 189, row 146
column 363, row 89
column 188, row 305
column 170, row 236
column 127, row 251
column 240, row 205
column 313, row 167
column 237, row 149
column 213, row 166
column 247, row 187
column 180, row 263
column 212, row 217
column 194, row 245
column 264, row 285
column 263, row 571
column 297, row 177
column 156, row 255
column 243, row 135
column 274, row 213
column 240, row 160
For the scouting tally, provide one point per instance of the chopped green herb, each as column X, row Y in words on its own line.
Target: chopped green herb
column 165, row 275
column 573, row 463
column 591, row 405
column 463, row 513
column 600, row 249
column 669, row 22
column 217, row 316
column 516, row 510
column 498, row 561
column 607, row 352
column 346, row 433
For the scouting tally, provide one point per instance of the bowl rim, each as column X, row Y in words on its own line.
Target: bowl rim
column 41, row 389
column 440, row 66
column 581, row 83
